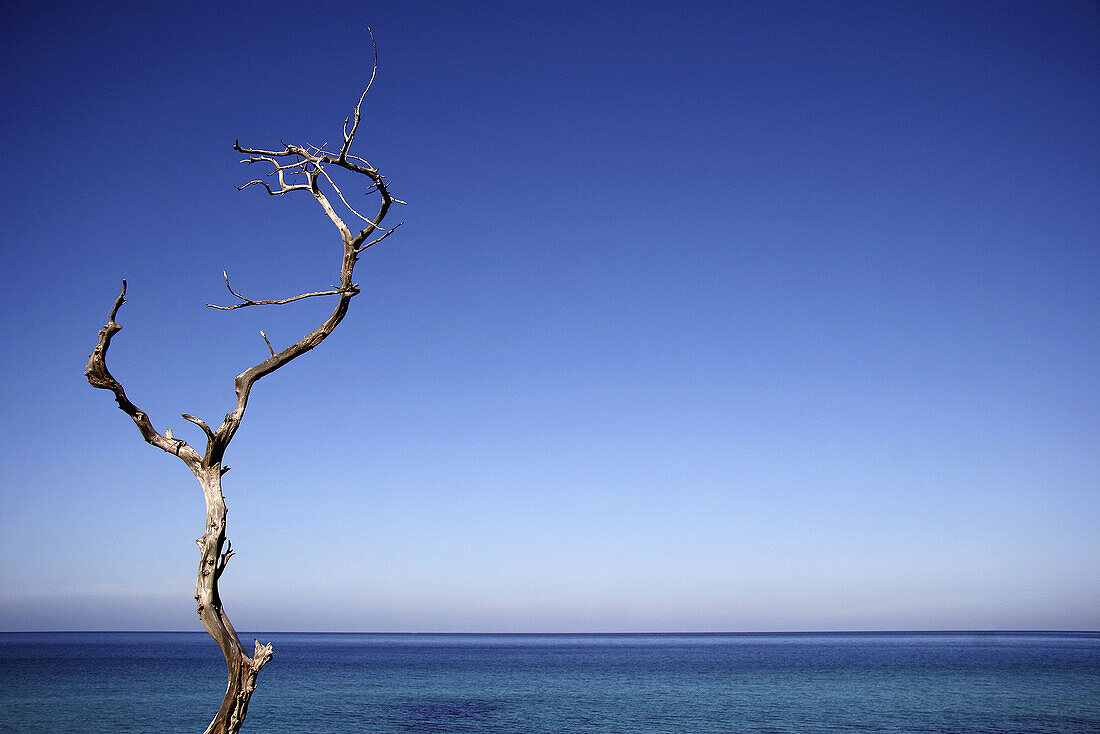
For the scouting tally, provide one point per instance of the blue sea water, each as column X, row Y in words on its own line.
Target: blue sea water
column 959, row 683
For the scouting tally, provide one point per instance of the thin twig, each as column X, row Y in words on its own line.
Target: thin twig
column 355, row 125
column 266, row 302
column 376, row 240
column 341, row 194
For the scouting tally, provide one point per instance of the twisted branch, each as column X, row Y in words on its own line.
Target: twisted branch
column 99, row 376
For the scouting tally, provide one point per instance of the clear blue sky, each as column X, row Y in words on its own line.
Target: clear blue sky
column 706, row 316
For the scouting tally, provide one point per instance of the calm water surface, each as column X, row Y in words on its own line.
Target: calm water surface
column 971, row 683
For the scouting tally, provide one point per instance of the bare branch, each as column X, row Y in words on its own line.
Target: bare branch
column 376, row 240
column 268, row 343
column 275, row 164
column 280, row 192
column 335, row 218
column 364, row 161
column 275, row 302
column 223, row 559
column 341, row 195
column 271, row 302
column 311, row 161
column 348, row 137
column 256, row 151
column 225, row 274
column 200, row 423
column 99, row 376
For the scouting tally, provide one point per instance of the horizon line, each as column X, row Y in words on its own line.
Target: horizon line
column 604, row 633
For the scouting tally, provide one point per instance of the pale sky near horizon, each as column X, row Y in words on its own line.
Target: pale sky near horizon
column 705, row 316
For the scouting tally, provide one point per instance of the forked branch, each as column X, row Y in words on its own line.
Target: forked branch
column 289, row 166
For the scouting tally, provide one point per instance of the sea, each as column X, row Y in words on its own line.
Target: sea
column 804, row 683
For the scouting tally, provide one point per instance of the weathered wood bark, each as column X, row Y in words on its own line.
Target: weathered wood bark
column 215, row 552
column 296, row 168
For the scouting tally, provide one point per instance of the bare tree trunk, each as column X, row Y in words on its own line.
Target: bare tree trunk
column 294, row 168
column 215, row 553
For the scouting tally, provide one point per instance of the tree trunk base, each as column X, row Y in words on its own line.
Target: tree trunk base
column 242, row 682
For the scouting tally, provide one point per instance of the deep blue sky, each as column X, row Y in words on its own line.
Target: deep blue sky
column 712, row 316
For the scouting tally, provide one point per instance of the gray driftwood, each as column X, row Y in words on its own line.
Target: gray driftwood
column 291, row 168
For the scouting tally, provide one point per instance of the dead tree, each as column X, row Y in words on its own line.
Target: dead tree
column 291, row 168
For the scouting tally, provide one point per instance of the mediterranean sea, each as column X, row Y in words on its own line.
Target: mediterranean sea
column 957, row 683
